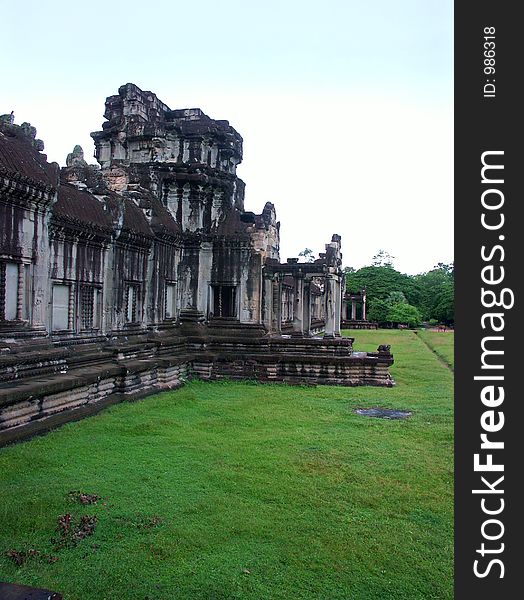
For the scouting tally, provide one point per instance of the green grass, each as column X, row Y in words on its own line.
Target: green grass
column 442, row 343
column 241, row 491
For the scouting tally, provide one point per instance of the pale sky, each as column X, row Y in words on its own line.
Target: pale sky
column 345, row 106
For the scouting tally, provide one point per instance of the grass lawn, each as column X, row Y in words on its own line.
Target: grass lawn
column 442, row 343
column 242, row 491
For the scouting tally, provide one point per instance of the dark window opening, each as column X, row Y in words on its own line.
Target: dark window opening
column 89, row 309
column 87, row 305
column 224, row 300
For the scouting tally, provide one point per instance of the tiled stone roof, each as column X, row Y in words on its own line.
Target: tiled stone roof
column 20, row 158
column 81, row 208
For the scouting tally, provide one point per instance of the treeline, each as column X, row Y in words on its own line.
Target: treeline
column 396, row 298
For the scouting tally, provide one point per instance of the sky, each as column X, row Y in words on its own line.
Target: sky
column 345, row 106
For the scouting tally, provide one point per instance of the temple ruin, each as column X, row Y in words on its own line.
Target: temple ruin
column 354, row 313
column 127, row 278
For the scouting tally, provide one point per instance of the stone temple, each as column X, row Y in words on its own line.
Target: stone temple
column 130, row 277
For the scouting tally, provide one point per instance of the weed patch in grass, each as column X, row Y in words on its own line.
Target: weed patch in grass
column 83, row 498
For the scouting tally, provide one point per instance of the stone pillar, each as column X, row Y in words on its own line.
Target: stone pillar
column 20, row 296
column 205, row 262
column 307, row 308
column 277, row 305
column 108, row 310
column 298, row 307
column 364, row 317
column 338, row 302
column 344, row 308
column 353, row 310
column 189, row 271
column 40, row 304
column 71, row 311
column 267, row 312
column 330, row 303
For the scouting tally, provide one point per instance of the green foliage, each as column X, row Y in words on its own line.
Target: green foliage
column 403, row 313
column 236, row 491
column 380, row 282
column 307, row 255
column 444, row 307
column 432, row 293
column 382, row 259
column 378, row 311
column 396, row 298
column 437, row 293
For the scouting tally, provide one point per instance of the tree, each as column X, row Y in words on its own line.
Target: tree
column 431, row 292
column 405, row 314
column 378, row 311
column 307, row 255
column 437, row 287
column 381, row 281
column 396, row 298
column 448, row 268
column 382, row 259
column 444, row 307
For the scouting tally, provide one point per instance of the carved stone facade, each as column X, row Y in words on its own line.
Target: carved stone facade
column 128, row 278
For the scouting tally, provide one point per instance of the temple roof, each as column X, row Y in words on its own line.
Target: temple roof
column 162, row 221
column 81, row 208
column 135, row 220
column 232, row 224
column 19, row 155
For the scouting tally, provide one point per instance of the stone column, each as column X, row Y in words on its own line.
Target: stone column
column 338, row 302
column 353, row 310
column 344, row 308
column 107, row 316
column 298, row 307
column 277, row 305
column 267, row 313
column 307, row 308
column 71, row 311
column 364, row 318
column 20, row 296
column 189, row 269
column 40, row 304
column 330, row 302
column 205, row 262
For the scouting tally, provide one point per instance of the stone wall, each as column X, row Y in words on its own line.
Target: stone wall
column 55, row 384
